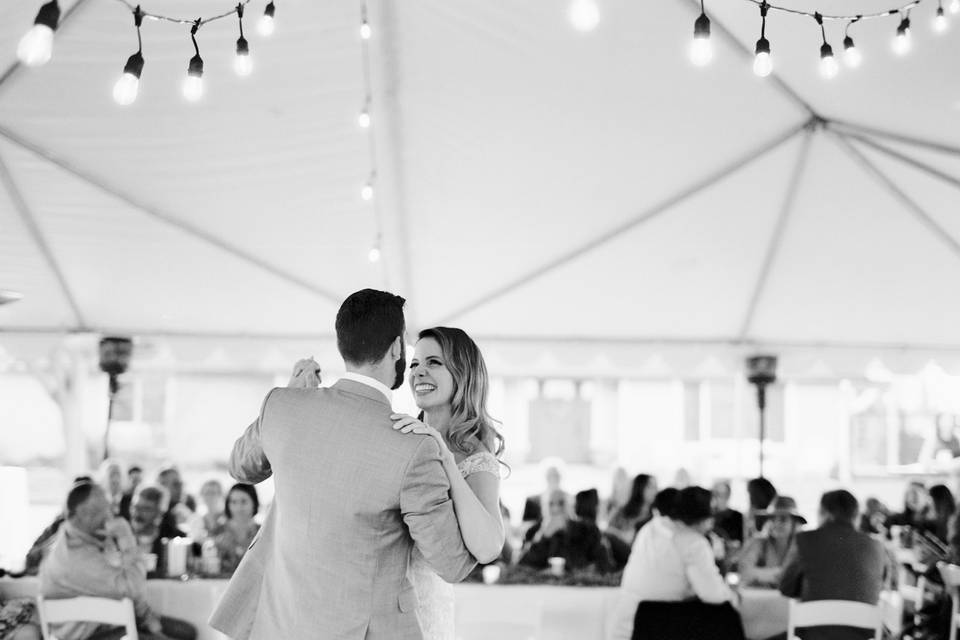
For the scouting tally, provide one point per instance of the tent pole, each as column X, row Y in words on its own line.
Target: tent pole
column 776, row 239
column 636, row 221
column 896, row 137
column 898, row 193
column 181, row 225
column 15, row 67
column 913, row 162
column 30, row 222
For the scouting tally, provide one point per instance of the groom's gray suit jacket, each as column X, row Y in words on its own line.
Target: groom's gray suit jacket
column 352, row 497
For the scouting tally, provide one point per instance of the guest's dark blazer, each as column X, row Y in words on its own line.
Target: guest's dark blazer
column 835, row 562
column 729, row 524
column 532, row 509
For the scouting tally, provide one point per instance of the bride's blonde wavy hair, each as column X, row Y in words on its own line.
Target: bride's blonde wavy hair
column 470, row 423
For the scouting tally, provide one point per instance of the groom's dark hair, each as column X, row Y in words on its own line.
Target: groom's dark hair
column 367, row 324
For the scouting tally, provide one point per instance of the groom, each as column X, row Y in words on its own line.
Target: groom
column 352, row 498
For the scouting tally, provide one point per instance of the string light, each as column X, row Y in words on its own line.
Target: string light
column 366, row 193
column 375, row 253
column 128, row 86
column 901, row 42
column 266, row 25
column 193, row 83
column 364, row 120
column 701, row 50
column 828, row 64
column 242, row 64
column 940, row 22
column 851, row 55
column 584, row 15
column 36, row 46
column 366, row 32
column 762, row 62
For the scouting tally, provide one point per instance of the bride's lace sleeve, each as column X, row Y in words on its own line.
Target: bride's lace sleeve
column 480, row 461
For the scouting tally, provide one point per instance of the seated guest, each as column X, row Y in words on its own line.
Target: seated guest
column 110, row 477
column 939, row 513
column 671, row 560
column 835, row 562
column 211, row 523
column 619, row 493
column 559, row 536
column 134, row 478
column 147, row 519
column 182, row 506
column 536, row 506
column 727, row 522
column 761, row 493
column 96, row 555
column 240, row 529
column 586, row 505
column 874, row 517
column 764, row 556
column 914, row 507
column 637, row 512
column 41, row 546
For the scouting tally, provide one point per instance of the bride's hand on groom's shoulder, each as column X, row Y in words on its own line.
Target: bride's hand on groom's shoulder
column 408, row 424
column 306, row 374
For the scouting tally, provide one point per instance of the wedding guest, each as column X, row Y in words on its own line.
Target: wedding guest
column 242, row 505
column 96, row 555
column 536, row 506
column 41, row 546
column 134, row 479
column 671, row 560
column 619, row 493
column 835, row 562
column 727, row 522
column 210, row 524
column 914, row 505
column 765, row 555
column 110, row 477
column 874, row 517
column 579, row 542
column 586, row 506
column 637, row 512
column 182, row 506
column 940, row 511
column 148, row 522
column 761, row 493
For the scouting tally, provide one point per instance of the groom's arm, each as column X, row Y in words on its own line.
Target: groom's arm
column 428, row 512
column 248, row 462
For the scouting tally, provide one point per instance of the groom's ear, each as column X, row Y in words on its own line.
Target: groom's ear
column 396, row 349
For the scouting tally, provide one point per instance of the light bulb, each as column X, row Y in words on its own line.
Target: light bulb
column 126, row 89
column 365, row 31
column 955, row 6
column 374, row 255
column 266, row 26
column 828, row 64
column 36, row 46
column 940, row 23
column 367, row 192
column 902, row 42
column 364, row 119
column 701, row 51
column 193, row 83
column 242, row 64
column 851, row 55
column 762, row 62
column 584, row 15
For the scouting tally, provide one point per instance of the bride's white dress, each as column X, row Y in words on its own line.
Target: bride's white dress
column 436, row 595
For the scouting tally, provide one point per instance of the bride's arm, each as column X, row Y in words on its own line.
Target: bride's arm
column 476, row 500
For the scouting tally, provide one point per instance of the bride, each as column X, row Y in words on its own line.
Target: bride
column 449, row 381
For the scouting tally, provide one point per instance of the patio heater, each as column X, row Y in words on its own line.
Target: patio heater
column 762, row 372
column 114, row 359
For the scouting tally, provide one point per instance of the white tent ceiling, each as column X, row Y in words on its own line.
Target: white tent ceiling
column 534, row 183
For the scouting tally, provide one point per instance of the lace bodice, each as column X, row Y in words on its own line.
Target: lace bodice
column 477, row 462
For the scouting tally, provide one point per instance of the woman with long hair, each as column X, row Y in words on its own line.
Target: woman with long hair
column 240, row 528
column 627, row 520
column 450, row 384
column 940, row 511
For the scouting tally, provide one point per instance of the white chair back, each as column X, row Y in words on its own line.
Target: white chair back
column 834, row 612
column 951, row 580
column 84, row 609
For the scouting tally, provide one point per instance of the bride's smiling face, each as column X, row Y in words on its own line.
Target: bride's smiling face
column 430, row 380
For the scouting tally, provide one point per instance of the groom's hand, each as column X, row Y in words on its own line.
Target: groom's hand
column 306, row 374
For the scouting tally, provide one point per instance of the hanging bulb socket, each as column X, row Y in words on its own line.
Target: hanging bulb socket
column 826, row 51
column 848, row 43
column 270, row 10
column 701, row 28
column 904, row 28
column 243, row 48
column 763, row 46
column 134, row 65
column 196, row 66
column 49, row 15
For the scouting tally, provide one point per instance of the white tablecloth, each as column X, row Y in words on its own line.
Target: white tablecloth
column 502, row 612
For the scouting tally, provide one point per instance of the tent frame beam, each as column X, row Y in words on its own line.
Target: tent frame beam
column 884, row 180
column 905, row 159
column 896, row 137
column 171, row 221
column 656, row 210
column 33, row 228
column 776, row 240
